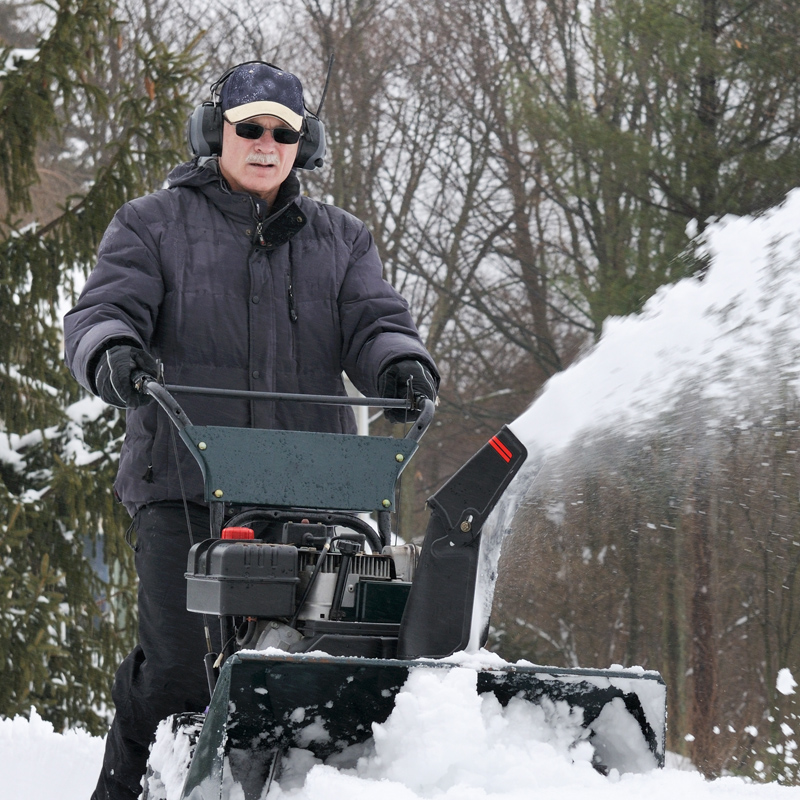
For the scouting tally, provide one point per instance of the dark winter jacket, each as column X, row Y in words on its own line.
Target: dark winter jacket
column 226, row 298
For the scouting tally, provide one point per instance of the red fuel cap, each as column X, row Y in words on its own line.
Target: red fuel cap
column 238, row 533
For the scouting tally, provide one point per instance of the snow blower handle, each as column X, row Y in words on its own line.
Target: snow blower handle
column 163, row 395
column 147, row 384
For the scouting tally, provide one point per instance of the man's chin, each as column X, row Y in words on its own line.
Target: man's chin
column 264, row 189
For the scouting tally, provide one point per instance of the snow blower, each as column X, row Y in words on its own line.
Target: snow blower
column 324, row 617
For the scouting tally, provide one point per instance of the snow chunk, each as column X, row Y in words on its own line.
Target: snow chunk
column 618, row 739
column 786, row 683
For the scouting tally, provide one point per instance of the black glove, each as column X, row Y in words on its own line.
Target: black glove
column 393, row 382
column 113, row 375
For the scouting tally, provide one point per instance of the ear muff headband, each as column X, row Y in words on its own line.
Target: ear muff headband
column 204, row 131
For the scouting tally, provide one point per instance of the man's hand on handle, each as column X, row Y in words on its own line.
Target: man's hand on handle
column 395, row 382
column 113, row 375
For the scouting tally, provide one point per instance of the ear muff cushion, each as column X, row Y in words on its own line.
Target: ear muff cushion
column 204, row 131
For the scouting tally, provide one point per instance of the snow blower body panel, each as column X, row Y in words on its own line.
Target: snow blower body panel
column 325, row 631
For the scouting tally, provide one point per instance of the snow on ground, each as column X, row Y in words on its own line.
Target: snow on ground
column 723, row 335
column 36, row 763
column 442, row 741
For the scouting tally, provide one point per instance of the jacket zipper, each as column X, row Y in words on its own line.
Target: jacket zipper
column 260, row 234
column 259, row 222
column 292, row 304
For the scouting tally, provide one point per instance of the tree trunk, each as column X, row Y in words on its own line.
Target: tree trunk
column 705, row 669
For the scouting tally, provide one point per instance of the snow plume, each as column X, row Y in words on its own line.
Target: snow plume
column 727, row 336
column 703, row 350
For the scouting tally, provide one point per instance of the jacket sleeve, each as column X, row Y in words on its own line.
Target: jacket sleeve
column 121, row 298
column 377, row 327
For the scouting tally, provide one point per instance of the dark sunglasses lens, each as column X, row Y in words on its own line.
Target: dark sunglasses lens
column 249, row 130
column 285, row 135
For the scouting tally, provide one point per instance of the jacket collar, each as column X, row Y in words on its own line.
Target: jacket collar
column 271, row 228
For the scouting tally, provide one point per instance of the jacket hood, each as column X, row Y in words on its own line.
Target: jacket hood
column 273, row 226
column 194, row 173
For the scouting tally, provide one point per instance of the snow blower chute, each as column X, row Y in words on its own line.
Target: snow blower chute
column 324, row 617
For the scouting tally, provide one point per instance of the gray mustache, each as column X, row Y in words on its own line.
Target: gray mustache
column 263, row 158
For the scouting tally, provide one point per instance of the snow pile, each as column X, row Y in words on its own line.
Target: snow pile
column 443, row 739
column 442, row 733
column 36, row 763
column 728, row 336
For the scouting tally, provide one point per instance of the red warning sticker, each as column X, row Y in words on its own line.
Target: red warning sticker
column 504, row 452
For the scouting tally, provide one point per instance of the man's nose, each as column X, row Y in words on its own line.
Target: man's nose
column 266, row 137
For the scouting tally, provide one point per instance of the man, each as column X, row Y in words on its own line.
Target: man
column 231, row 279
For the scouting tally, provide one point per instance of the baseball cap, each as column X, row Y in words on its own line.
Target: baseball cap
column 255, row 89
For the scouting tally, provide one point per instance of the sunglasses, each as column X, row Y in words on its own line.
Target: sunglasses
column 251, row 130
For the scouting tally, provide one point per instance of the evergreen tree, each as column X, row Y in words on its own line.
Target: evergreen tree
column 66, row 594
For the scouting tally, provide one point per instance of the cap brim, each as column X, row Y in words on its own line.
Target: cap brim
column 262, row 108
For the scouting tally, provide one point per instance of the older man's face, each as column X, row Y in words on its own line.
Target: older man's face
column 257, row 166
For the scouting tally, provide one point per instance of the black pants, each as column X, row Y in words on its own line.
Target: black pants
column 164, row 674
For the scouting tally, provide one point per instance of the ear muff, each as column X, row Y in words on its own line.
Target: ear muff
column 204, row 131
column 311, row 152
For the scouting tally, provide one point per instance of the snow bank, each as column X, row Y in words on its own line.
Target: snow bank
column 36, row 763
